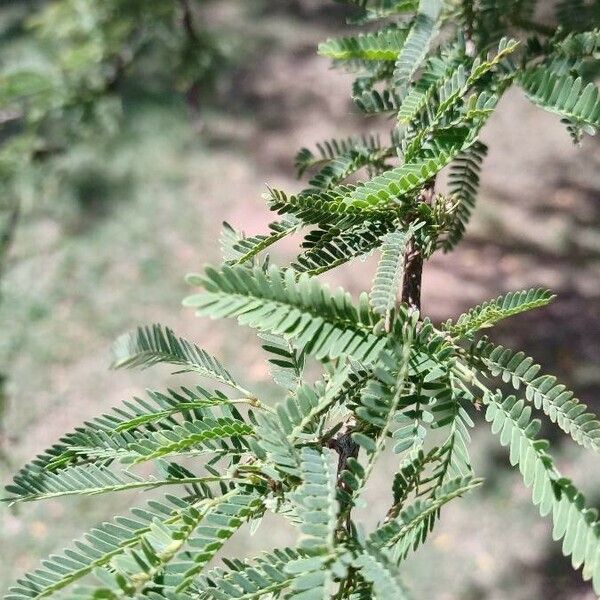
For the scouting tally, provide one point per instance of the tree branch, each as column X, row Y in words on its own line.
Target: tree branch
column 346, row 448
column 8, row 234
column 192, row 94
column 188, row 21
column 413, row 261
column 413, row 272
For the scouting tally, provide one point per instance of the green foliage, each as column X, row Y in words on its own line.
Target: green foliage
column 581, row 45
column 414, row 523
column 389, row 274
column 250, row 581
column 98, row 548
column 332, row 149
column 379, row 570
column 418, row 41
column 489, row 313
column 323, row 323
column 240, row 249
column 574, row 523
column 383, row 45
column 148, row 346
column 565, row 95
column 333, row 246
column 287, row 364
column 556, row 401
column 67, row 67
column 391, row 378
column 463, row 186
column 83, row 51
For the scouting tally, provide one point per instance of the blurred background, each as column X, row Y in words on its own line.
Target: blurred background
column 117, row 169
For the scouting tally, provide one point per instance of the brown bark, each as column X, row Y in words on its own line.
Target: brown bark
column 343, row 443
column 413, row 262
column 8, row 234
column 192, row 94
column 413, row 272
column 345, row 446
column 188, row 21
